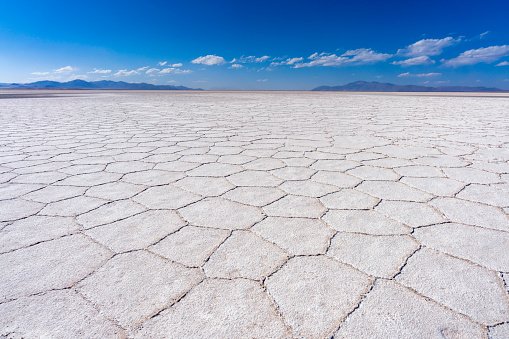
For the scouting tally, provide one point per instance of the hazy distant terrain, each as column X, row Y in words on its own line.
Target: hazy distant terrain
column 363, row 86
column 82, row 84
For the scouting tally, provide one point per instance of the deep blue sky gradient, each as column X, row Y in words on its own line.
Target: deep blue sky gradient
column 43, row 36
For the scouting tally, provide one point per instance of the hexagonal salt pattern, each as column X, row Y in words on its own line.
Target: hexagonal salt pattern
column 273, row 215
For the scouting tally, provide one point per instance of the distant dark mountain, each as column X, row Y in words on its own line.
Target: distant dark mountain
column 363, row 86
column 82, row 84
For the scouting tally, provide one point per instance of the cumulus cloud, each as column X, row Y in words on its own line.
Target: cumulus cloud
column 209, row 60
column 247, row 59
column 292, row 61
column 100, row 71
column 262, row 59
column 151, row 71
column 503, row 63
column 262, row 80
column 427, row 47
column 421, row 75
column 173, row 70
column 177, row 65
column 40, row 73
column 141, row 69
column 162, row 63
column 236, row 66
column 485, row 55
column 359, row 56
column 66, row 69
column 126, row 73
column 420, row 60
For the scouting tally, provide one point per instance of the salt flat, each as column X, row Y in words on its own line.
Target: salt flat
column 253, row 214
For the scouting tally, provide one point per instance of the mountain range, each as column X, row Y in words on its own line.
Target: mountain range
column 104, row 84
column 363, row 86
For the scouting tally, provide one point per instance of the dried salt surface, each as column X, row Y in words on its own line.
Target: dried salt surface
column 244, row 215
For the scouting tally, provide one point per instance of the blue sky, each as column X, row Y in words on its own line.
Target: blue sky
column 293, row 45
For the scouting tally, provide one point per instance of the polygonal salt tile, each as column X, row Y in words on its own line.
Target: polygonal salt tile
column 295, row 206
column 307, row 188
column 419, row 171
column 485, row 194
column 259, row 152
column 390, row 190
column 315, row 293
column 299, row 236
column 55, row 193
column 338, row 179
column 374, row 173
column 388, row 162
column 33, row 230
column 293, row 173
column 480, row 245
column 138, row 231
column 334, row 165
column 10, row 191
column 115, row 287
column 413, row 214
column 244, row 255
column 18, row 209
column 219, row 309
column 5, row 177
column 200, row 158
column 131, row 156
column 302, row 162
column 214, row 170
column 238, row 159
column 49, row 265
column 471, row 213
column 471, row 175
column 500, row 331
column 109, row 213
column 264, row 164
column 442, row 161
column 478, row 292
column 176, row 166
column 82, row 169
column 436, row 186
column 115, row 190
column 393, row 311
column 381, row 256
column 362, row 156
column 190, row 246
column 220, row 150
column 152, row 177
column 166, row 197
column 349, row 199
column 362, row 221
column 60, row 313
column 128, row 166
column 39, row 178
column 256, row 196
column 254, row 178
column 221, row 213
column 90, row 179
column 72, row 207
column 206, row 186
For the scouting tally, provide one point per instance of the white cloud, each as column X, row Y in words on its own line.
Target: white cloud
column 173, row 70
column 262, row 59
column 125, row 72
column 151, row 71
column 100, row 71
column 503, row 63
column 442, row 82
column 66, row 69
column 40, row 73
column 428, row 47
column 209, row 60
column 420, row 60
column 236, row 66
column 422, row 75
column 293, row 61
column 177, row 65
column 481, row 36
column 162, row 63
column 143, row 68
column 474, row 56
column 379, row 76
column 262, row 80
column 359, row 56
